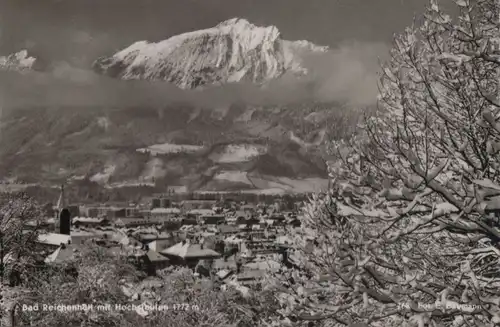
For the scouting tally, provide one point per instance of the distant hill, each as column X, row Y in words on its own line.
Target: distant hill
column 241, row 145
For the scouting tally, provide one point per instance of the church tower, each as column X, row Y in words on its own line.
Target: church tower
column 64, row 216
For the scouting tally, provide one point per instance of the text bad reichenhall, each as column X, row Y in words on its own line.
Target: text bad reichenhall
column 91, row 307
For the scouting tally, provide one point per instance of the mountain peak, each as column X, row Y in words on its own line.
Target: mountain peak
column 18, row 61
column 232, row 51
column 236, row 21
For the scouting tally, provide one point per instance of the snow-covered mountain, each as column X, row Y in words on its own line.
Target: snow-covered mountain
column 233, row 51
column 18, row 61
column 195, row 144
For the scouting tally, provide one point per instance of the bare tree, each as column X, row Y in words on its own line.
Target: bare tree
column 410, row 236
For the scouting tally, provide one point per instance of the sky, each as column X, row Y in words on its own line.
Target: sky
column 60, row 28
column 76, row 32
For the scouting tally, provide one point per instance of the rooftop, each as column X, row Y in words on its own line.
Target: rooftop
column 62, row 254
column 54, row 239
column 166, row 210
column 160, row 245
column 189, row 250
column 154, row 256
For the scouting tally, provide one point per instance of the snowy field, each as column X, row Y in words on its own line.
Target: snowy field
column 166, row 148
column 238, row 153
column 233, row 176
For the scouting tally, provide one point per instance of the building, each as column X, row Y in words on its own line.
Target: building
column 144, row 213
column 249, row 277
column 148, row 261
column 132, row 212
column 53, row 239
column 155, row 261
column 199, row 212
column 63, row 254
column 160, row 245
column 190, row 221
column 213, row 219
column 44, row 224
column 228, row 230
column 155, row 203
column 160, row 202
column 89, row 222
column 63, row 223
column 132, row 222
column 166, row 214
column 197, row 204
column 163, row 200
column 149, row 237
column 116, row 212
column 249, row 208
column 74, row 210
column 80, row 237
column 225, row 263
column 187, row 253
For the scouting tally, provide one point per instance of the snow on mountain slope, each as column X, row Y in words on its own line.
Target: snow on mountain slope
column 234, row 176
column 170, row 148
column 238, row 153
column 233, row 51
column 18, row 61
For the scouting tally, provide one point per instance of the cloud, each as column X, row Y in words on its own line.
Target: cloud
column 346, row 74
column 65, row 71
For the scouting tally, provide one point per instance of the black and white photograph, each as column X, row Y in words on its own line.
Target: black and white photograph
column 249, row 163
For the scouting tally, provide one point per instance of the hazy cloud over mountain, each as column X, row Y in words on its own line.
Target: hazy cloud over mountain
column 344, row 74
column 68, row 35
column 91, row 124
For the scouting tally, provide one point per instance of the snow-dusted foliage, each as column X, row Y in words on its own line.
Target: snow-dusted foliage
column 97, row 277
column 16, row 245
column 409, row 236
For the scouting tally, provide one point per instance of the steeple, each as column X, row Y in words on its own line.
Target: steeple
column 64, row 214
column 61, row 203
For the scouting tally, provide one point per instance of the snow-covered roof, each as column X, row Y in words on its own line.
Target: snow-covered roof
column 241, row 213
column 166, row 211
column 201, row 212
column 62, row 254
column 228, row 263
column 270, row 265
column 228, row 229
column 223, row 273
column 87, row 220
column 54, row 239
column 189, row 250
column 283, row 239
column 159, row 245
column 130, row 220
column 83, row 233
column 251, row 274
column 154, row 256
column 245, row 291
column 233, row 239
